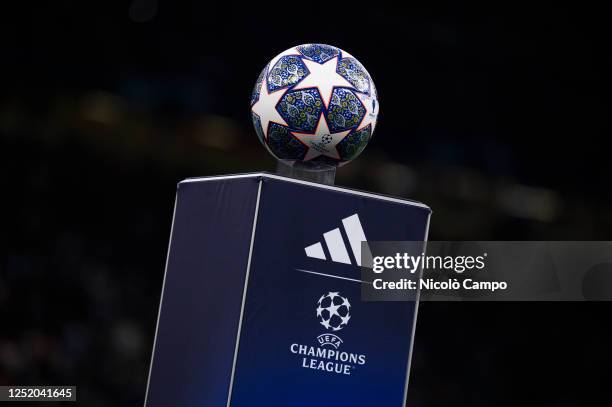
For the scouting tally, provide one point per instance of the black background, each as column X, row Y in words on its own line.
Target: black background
column 497, row 116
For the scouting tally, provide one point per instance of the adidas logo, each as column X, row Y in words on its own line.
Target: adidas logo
column 335, row 243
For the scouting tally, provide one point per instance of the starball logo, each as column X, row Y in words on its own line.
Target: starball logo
column 333, row 312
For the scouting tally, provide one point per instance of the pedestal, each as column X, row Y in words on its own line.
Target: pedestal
column 254, row 263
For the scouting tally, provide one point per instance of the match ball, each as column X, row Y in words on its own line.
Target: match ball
column 314, row 104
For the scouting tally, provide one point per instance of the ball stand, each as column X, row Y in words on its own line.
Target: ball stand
column 307, row 171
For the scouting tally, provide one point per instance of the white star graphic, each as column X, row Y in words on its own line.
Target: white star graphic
column 321, row 143
column 333, row 310
column 347, row 55
column 371, row 110
column 346, row 302
column 319, row 311
column 265, row 107
column 324, row 77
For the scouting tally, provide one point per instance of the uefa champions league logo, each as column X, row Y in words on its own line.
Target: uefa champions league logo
column 333, row 311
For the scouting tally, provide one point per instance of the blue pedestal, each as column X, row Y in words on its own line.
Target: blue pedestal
column 261, row 298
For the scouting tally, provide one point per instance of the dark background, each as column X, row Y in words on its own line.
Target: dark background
column 495, row 116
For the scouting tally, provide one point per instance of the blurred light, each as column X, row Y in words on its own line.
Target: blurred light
column 216, row 132
column 4, row 292
column 529, row 202
column 396, row 179
column 142, row 11
column 11, row 358
column 101, row 107
column 127, row 339
column 11, row 117
column 464, row 184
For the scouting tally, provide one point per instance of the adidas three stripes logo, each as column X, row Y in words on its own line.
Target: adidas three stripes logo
column 335, row 243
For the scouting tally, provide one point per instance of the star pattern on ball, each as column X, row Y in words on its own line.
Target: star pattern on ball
column 324, row 77
column 265, row 107
column 333, row 318
column 322, row 142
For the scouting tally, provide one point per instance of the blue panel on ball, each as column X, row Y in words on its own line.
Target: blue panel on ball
column 258, row 128
column 288, row 71
column 318, row 52
column 283, row 145
column 354, row 143
column 301, row 109
column 345, row 110
column 355, row 73
column 255, row 94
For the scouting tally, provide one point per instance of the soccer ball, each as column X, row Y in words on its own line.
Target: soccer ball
column 314, row 104
column 333, row 311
